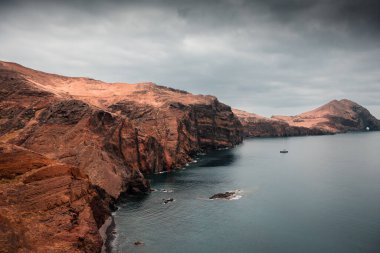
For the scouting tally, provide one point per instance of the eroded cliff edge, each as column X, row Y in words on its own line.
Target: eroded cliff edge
column 111, row 133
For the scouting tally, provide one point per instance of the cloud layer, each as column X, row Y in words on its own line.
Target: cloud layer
column 269, row 57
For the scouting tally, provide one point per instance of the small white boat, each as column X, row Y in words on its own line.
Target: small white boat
column 284, row 151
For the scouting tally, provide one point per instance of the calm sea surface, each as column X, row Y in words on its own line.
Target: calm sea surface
column 323, row 197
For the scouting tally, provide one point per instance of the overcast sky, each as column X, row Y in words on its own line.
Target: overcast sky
column 268, row 57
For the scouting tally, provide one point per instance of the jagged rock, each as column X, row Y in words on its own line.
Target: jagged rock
column 225, row 195
column 47, row 206
column 167, row 200
column 138, row 243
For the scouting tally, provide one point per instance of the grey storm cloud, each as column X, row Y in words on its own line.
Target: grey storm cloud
column 269, row 57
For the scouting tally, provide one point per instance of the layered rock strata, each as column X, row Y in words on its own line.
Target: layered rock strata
column 46, row 205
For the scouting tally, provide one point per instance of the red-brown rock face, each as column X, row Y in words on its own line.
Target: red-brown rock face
column 46, row 206
column 176, row 128
column 111, row 132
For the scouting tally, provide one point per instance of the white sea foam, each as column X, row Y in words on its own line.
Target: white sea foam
column 166, row 190
column 235, row 197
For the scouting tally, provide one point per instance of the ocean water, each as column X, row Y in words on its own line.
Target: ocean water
column 323, row 197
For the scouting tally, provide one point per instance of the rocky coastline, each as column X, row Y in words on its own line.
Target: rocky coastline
column 110, row 138
column 71, row 147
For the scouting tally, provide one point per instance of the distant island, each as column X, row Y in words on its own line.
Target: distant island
column 70, row 147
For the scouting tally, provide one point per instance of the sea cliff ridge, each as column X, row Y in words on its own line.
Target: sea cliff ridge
column 71, row 146
column 109, row 134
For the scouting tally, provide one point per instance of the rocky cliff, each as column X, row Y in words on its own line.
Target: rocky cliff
column 111, row 133
column 46, row 205
column 258, row 126
column 333, row 117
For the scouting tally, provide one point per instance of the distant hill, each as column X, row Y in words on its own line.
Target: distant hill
column 334, row 117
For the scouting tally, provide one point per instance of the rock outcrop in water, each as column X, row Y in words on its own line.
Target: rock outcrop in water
column 110, row 134
column 333, row 117
column 225, row 195
column 229, row 195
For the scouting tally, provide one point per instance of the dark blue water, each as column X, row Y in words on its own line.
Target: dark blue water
column 323, row 196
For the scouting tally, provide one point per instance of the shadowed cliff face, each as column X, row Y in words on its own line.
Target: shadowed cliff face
column 333, row 117
column 174, row 130
column 47, row 206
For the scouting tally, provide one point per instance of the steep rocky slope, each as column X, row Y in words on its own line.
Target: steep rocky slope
column 333, row 117
column 46, row 205
column 259, row 126
column 112, row 133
